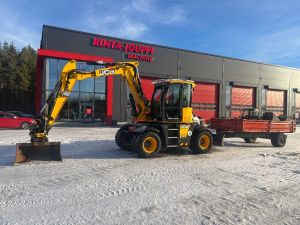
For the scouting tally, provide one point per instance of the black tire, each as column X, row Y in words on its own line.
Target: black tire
column 147, row 145
column 250, row 140
column 25, row 125
column 278, row 140
column 201, row 142
column 124, row 140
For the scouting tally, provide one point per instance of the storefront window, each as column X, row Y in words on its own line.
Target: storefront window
column 86, row 85
column 100, row 107
column 60, row 65
column 87, row 94
column 100, row 85
column 86, row 97
column 74, row 106
column 51, row 74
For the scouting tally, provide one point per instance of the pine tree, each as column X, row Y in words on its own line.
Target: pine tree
column 17, row 73
column 25, row 77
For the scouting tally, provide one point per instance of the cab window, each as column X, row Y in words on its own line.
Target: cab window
column 172, row 102
column 172, row 97
column 186, row 95
column 156, row 102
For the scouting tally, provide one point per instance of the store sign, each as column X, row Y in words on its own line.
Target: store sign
column 132, row 51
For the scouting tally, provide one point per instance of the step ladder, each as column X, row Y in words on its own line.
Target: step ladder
column 173, row 134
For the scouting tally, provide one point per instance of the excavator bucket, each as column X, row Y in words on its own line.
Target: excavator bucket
column 37, row 151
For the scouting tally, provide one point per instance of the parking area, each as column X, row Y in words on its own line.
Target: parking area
column 99, row 184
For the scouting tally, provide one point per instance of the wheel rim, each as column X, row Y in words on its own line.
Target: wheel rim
column 281, row 139
column 204, row 141
column 25, row 125
column 150, row 145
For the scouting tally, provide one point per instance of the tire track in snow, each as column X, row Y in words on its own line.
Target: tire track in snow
column 150, row 178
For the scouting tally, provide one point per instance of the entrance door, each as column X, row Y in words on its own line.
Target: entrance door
column 87, row 112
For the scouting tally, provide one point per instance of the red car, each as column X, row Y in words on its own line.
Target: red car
column 9, row 120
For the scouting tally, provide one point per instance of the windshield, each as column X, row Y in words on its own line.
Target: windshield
column 172, row 98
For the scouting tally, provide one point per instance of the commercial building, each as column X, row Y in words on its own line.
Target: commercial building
column 224, row 85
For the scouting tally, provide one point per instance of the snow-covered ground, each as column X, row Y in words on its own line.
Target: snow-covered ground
column 99, row 184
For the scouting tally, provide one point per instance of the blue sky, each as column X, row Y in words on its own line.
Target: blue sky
column 260, row 30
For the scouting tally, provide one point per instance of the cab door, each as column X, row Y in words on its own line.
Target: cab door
column 172, row 102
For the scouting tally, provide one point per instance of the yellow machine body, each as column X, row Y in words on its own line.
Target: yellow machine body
column 147, row 116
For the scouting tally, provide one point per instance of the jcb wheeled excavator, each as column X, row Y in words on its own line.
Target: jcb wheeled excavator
column 166, row 121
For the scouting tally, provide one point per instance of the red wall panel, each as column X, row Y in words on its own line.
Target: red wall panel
column 241, row 97
column 275, row 101
column 148, row 87
column 206, row 93
column 275, row 98
column 205, row 100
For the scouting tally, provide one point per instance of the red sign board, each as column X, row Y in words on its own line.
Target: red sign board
column 133, row 51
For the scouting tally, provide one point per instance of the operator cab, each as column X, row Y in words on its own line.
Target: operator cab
column 172, row 100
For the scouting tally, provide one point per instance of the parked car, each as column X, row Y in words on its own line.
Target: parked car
column 21, row 114
column 9, row 120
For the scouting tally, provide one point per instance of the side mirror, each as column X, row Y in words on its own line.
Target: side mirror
column 15, row 117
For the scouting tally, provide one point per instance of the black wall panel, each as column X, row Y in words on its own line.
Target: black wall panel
column 275, row 77
column 164, row 64
column 241, row 72
column 200, row 66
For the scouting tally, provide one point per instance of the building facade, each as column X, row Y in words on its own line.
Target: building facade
column 224, row 85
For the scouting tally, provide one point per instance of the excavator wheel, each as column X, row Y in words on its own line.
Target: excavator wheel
column 124, row 140
column 147, row 145
column 201, row 142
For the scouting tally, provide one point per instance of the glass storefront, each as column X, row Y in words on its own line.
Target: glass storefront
column 87, row 101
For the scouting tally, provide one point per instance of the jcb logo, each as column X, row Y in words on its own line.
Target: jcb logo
column 107, row 72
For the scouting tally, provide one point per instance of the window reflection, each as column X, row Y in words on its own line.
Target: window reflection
column 100, row 85
column 100, row 107
column 74, row 106
column 100, row 82
column 51, row 73
column 86, row 85
column 86, row 97
column 83, row 94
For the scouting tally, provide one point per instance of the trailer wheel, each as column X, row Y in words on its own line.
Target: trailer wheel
column 147, row 145
column 201, row 142
column 123, row 140
column 250, row 140
column 278, row 140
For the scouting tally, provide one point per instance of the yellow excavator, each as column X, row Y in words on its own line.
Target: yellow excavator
column 165, row 121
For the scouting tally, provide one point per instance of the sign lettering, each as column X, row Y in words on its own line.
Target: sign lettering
column 133, row 51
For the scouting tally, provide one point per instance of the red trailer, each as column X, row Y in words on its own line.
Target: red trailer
column 251, row 127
